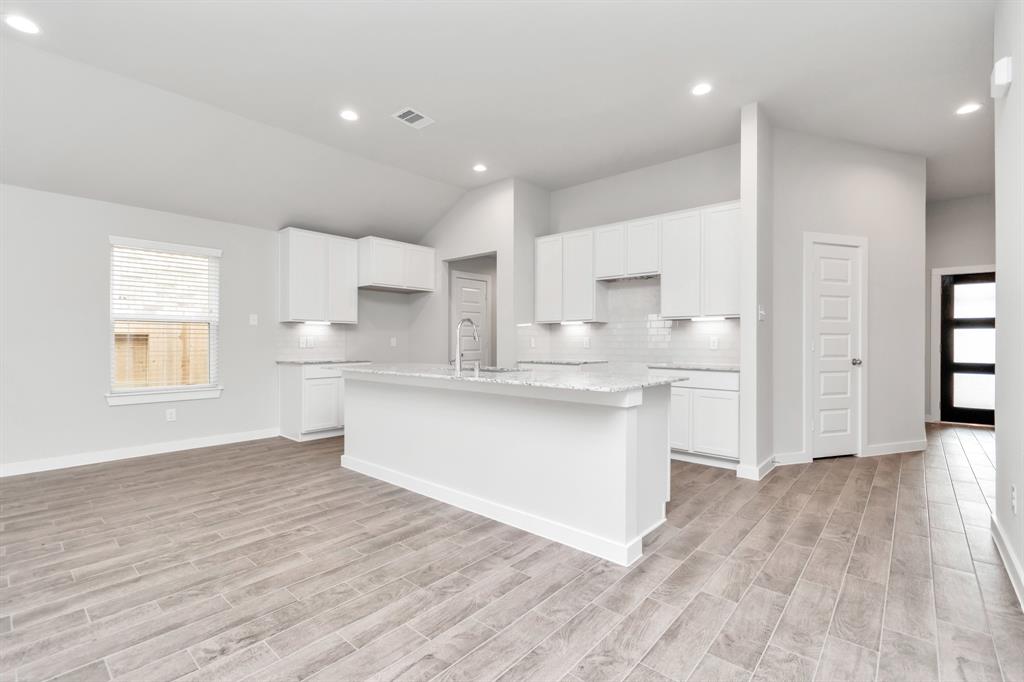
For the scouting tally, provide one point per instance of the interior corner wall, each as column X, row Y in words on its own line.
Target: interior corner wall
column 958, row 233
column 830, row 186
column 55, row 332
column 697, row 180
column 530, row 220
column 1009, row 197
column 481, row 222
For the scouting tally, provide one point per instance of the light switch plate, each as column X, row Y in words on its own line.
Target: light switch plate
column 254, row 319
column 172, row 415
column 713, row 342
column 394, row 342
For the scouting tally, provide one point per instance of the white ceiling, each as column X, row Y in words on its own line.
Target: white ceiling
column 559, row 92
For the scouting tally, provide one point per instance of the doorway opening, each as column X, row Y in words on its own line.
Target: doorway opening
column 471, row 294
column 968, row 348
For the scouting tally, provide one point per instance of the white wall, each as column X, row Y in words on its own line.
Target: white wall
column 480, row 223
column 531, row 217
column 55, row 329
column 756, row 199
column 824, row 185
column 1009, row 193
column 959, row 232
column 706, row 178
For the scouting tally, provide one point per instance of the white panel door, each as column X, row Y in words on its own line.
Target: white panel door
column 419, row 268
column 715, row 422
column 388, row 263
column 610, row 252
column 307, row 275
column 721, row 261
column 343, row 280
column 680, row 267
column 320, row 404
column 679, row 419
column 643, row 247
column 835, row 326
column 469, row 300
column 548, row 280
column 578, row 287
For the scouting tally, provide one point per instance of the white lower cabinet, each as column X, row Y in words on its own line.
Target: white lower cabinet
column 312, row 401
column 704, row 414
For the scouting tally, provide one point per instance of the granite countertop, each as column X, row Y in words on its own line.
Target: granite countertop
column 568, row 363
column 705, row 366
column 605, row 380
column 318, row 361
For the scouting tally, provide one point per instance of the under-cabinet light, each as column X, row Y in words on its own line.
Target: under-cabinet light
column 318, row 322
column 569, row 322
column 525, row 324
column 708, row 318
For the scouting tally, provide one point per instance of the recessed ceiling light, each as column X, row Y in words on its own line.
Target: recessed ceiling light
column 701, row 89
column 479, row 168
column 349, row 115
column 968, row 108
column 19, row 23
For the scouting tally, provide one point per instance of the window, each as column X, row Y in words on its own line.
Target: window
column 164, row 313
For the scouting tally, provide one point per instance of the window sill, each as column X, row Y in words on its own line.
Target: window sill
column 165, row 395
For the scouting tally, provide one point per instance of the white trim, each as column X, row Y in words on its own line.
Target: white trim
column 929, row 419
column 623, row 554
column 1013, row 565
column 130, row 452
column 810, row 239
column 755, row 473
column 787, row 458
column 707, row 460
column 163, row 395
column 935, row 333
column 187, row 249
column 893, row 448
column 315, row 435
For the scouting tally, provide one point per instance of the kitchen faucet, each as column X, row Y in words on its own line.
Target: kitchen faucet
column 458, row 342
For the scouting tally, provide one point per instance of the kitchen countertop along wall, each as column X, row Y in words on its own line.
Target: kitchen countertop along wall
column 634, row 333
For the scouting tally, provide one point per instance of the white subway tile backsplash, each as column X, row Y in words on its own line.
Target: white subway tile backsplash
column 634, row 333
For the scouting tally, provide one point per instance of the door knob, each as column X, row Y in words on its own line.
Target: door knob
column 856, row 362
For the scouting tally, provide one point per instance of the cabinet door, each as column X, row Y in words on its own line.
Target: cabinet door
column 307, row 275
column 679, row 419
column 320, row 404
column 643, row 247
column 548, row 280
column 716, row 416
column 578, row 276
column 721, row 261
column 419, row 268
column 341, row 402
column 680, row 265
column 342, row 275
column 388, row 263
column 610, row 252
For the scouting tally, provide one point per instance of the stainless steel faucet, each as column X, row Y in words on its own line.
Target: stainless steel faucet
column 458, row 342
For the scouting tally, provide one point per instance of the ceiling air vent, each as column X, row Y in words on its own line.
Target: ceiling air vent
column 413, row 118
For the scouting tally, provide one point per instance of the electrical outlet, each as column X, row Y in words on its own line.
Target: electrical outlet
column 713, row 342
column 394, row 342
column 172, row 415
column 533, row 342
column 586, row 342
column 254, row 319
column 1013, row 499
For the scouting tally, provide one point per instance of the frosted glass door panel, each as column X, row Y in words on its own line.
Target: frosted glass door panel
column 974, row 391
column 974, row 300
column 974, row 345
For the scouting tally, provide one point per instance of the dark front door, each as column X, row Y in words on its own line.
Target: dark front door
column 969, row 348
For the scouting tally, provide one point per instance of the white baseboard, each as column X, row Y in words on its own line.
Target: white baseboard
column 99, row 456
column 893, row 448
column 707, row 460
column 755, row 473
column 315, row 435
column 786, row 458
column 623, row 553
column 1013, row 565
column 930, row 419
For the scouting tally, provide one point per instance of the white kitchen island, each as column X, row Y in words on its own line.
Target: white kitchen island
column 581, row 458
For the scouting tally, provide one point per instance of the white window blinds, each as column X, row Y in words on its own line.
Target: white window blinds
column 164, row 312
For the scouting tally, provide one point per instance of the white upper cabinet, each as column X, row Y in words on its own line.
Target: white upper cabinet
column 318, row 277
column 627, row 250
column 579, row 290
column 548, row 279
column 720, row 290
column 396, row 266
column 700, row 270
column 643, row 247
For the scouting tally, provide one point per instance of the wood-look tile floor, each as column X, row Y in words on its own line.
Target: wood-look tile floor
column 266, row 561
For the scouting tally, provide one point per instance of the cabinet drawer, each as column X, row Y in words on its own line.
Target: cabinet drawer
column 698, row 378
column 321, row 371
